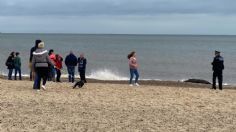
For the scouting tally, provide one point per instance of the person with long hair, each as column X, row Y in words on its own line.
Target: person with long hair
column 133, row 66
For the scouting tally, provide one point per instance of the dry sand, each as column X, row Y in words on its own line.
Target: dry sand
column 115, row 107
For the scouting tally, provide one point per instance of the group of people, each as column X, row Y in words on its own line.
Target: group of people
column 45, row 65
column 13, row 62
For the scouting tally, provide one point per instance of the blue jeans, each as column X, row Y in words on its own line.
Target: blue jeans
column 52, row 74
column 132, row 73
column 18, row 70
column 35, row 85
column 10, row 74
column 71, row 73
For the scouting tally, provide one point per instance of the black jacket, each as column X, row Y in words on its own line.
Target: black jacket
column 218, row 64
column 82, row 64
column 10, row 62
column 71, row 60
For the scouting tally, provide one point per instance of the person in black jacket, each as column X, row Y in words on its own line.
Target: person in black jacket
column 82, row 62
column 218, row 67
column 32, row 73
column 71, row 63
column 10, row 65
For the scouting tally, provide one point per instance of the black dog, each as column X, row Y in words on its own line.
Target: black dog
column 80, row 84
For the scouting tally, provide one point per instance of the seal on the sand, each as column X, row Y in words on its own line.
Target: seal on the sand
column 197, row 81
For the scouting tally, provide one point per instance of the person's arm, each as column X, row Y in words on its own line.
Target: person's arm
column 33, row 63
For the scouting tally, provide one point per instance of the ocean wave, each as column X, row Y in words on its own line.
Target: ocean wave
column 106, row 74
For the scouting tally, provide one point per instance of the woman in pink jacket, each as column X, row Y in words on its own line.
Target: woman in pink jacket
column 133, row 66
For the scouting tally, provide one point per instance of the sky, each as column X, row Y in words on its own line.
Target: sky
column 206, row 17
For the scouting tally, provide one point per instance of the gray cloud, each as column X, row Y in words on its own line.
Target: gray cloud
column 115, row 7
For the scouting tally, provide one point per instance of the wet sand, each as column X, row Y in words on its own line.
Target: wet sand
column 114, row 106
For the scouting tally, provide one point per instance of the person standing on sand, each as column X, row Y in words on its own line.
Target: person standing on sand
column 218, row 67
column 41, row 62
column 82, row 62
column 32, row 73
column 10, row 65
column 58, row 67
column 71, row 63
column 133, row 66
column 17, row 64
column 52, row 70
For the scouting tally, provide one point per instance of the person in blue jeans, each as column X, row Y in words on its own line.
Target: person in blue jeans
column 10, row 65
column 17, row 64
column 71, row 63
column 133, row 66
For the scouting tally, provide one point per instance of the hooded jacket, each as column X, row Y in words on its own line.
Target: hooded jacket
column 41, row 58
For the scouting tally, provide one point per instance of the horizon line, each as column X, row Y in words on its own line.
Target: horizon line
column 120, row 34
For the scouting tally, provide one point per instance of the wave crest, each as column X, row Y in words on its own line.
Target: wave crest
column 106, row 74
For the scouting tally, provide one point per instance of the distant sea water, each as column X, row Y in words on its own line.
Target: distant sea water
column 160, row 57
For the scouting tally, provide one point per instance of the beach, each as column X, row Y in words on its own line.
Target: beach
column 106, row 106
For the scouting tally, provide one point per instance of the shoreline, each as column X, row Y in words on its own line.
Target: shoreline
column 142, row 82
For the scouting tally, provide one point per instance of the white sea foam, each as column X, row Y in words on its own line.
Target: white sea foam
column 106, row 74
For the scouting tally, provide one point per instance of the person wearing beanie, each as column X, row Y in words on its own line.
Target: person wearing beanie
column 41, row 62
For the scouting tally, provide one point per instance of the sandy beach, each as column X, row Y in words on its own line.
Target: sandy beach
column 115, row 107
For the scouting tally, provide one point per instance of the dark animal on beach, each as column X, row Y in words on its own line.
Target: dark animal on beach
column 197, row 81
column 80, row 84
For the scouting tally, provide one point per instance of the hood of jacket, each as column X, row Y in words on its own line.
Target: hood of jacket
column 39, row 52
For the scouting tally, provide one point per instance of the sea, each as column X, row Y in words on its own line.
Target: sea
column 160, row 57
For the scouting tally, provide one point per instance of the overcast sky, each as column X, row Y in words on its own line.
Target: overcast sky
column 119, row 16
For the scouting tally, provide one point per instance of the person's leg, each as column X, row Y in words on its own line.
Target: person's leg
column 69, row 73
column 53, row 74
column 220, row 80
column 45, row 75
column 57, row 78
column 35, row 80
column 19, row 73
column 131, row 76
column 58, row 75
column 10, row 74
column 16, row 69
column 136, row 75
column 30, row 67
column 39, row 77
column 31, row 78
column 73, row 74
column 82, row 76
column 214, row 80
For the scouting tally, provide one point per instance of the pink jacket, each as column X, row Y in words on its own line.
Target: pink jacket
column 133, row 63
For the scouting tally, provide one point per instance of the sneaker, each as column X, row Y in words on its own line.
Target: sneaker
column 131, row 85
column 136, row 84
column 43, row 87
